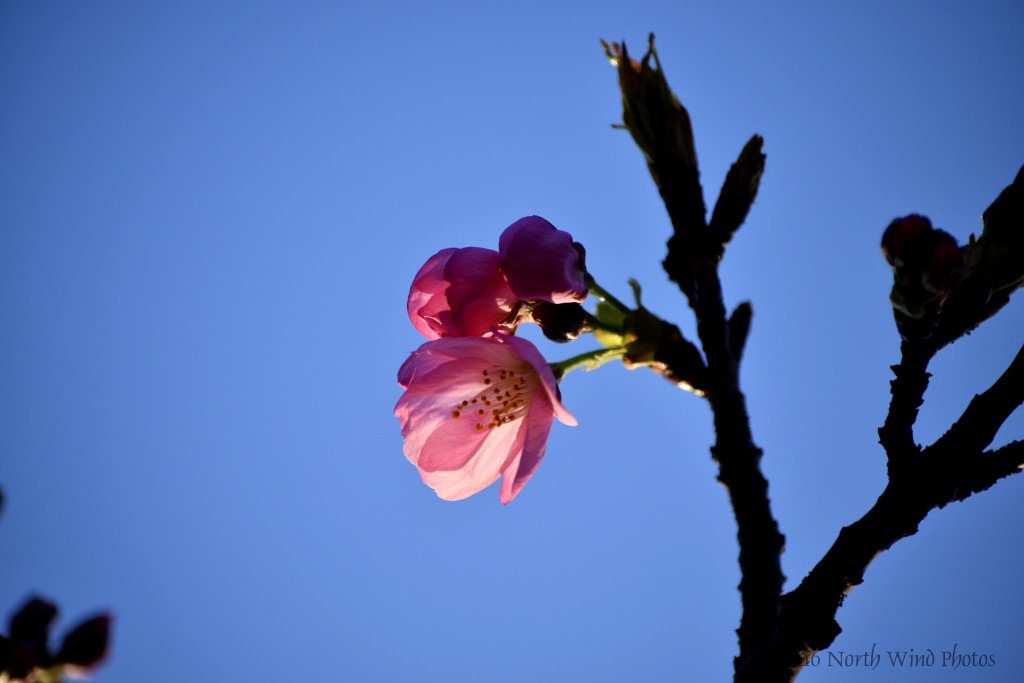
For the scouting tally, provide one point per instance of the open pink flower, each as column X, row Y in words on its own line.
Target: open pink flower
column 461, row 292
column 542, row 263
column 474, row 409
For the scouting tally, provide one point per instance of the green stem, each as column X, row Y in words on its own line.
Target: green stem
column 602, row 294
column 595, row 323
column 585, row 359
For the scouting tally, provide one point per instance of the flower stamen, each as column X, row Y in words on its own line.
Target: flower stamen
column 507, row 397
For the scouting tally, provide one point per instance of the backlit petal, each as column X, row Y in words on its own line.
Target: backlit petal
column 541, row 262
column 474, row 409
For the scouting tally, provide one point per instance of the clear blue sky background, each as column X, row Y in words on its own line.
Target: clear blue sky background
column 210, row 214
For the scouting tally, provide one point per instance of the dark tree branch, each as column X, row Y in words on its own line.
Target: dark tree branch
column 908, row 387
column 951, row 469
column 693, row 260
column 738, row 457
column 692, row 263
column 678, row 360
column 779, row 633
column 760, row 541
column 991, row 467
column 681, row 192
column 661, row 127
column 987, row 411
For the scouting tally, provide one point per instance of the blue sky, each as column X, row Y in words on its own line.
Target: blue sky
column 210, row 214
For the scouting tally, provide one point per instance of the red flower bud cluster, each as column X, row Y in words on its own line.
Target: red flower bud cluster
column 928, row 264
column 923, row 255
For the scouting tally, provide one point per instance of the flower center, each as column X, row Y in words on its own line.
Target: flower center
column 505, row 395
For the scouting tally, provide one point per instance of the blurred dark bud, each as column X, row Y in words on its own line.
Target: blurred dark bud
column 22, row 660
column 900, row 235
column 5, row 653
column 651, row 113
column 739, row 328
column 942, row 290
column 560, row 322
column 944, row 264
column 32, row 622
column 739, row 191
column 25, row 655
column 999, row 250
column 85, row 646
column 927, row 264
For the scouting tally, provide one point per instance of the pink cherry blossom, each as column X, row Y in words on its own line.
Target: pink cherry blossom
column 474, row 409
column 542, row 263
column 461, row 292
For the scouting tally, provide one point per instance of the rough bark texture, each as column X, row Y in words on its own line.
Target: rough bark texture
column 779, row 633
column 694, row 252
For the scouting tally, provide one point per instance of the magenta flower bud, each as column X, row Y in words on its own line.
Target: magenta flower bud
column 459, row 293
column 542, row 263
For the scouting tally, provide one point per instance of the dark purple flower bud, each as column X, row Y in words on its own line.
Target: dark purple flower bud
column 86, row 645
column 22, row 660
column 5, row 653
column 901, row 237
column 542, row 263
column 560, row 322
column 32, row 622
column 945, row 263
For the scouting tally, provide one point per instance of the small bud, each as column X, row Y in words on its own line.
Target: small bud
column 944, row 265
column 560, row 322
column 927, row 264
column 22, row 660
column 542, row 263
column 85, row 646
column 32, row 622
column 5, row 653
column 900, row 237
column 655, row 118
column 739, row 191
column 739, row 328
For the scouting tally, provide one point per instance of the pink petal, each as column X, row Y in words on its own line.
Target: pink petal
column 460, row 446
column 541, row 262
column 427, row 404
column 433, row 353
column 479, row 296
column 426, row 295
column 483, row 466
column 460, row 292
column 537, row 427
column 528, row 352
